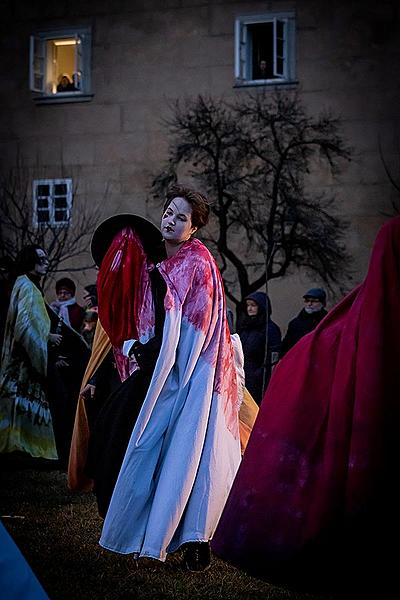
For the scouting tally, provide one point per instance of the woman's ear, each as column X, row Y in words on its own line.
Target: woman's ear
column 194, row 229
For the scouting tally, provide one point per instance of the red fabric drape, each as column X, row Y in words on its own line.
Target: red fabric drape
column 118, row 286
column 320, row 473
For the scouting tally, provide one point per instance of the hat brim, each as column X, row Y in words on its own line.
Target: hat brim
column 149, row 235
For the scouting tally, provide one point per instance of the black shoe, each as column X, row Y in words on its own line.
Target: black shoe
column 197, row 556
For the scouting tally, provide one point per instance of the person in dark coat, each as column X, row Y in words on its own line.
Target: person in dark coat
column 252, row 332
column 66, row 364
column 307, row 319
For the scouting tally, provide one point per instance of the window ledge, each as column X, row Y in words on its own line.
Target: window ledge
column 63, row 98
column 268, row 83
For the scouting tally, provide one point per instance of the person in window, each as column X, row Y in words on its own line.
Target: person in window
column 184, row 449
column 262, row 72
column 252, row 331
column 25, row 419
column 307, row 319
column 65, row 84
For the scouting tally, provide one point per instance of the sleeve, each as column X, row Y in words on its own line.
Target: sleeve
column 287, row 341
column 127, row 346
column 32, row 326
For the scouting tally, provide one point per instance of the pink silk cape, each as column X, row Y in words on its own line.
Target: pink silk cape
column 184, row 450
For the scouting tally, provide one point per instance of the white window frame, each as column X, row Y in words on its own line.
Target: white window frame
column 243, row 59
column 40, row 63
column 51, row 205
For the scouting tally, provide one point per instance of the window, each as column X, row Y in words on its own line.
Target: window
column 52, row 201
column 264, row 49
column 60, row 64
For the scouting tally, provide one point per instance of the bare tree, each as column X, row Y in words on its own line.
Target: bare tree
column 393, row 175
column 254, row 158
column 64, row 242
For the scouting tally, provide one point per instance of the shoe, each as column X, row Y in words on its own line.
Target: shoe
column 197, row 556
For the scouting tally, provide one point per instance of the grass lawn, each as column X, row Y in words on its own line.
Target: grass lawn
column 58, row 533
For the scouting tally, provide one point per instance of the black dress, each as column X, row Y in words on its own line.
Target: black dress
column 113, row 426
column 63, row 383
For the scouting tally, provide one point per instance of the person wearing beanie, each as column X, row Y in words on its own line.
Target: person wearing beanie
column 252, row 332
column 66, row 306
column 308, row 318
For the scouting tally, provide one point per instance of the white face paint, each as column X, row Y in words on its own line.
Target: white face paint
column 40, row 268
column 176, row 222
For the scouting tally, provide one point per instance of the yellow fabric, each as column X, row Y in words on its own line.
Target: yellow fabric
column 25, row 418
column 77, row 480
column 247, row 416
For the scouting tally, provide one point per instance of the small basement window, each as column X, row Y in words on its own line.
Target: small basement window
column 60, row 64
column 265, row 49
column 52, row 202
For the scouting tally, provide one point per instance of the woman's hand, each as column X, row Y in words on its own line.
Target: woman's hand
column 55, row 339
column 88, row 391
column 62, row 361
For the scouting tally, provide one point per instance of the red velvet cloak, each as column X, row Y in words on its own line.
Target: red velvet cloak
column 318, row 487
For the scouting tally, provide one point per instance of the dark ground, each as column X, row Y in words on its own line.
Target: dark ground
column 58, row 532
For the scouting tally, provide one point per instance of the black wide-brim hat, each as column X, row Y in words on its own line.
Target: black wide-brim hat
column 149, row 235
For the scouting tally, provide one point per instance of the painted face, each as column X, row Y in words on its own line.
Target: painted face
column 176, row 222
column 252, row 308
column 42, row 263
column 64, row 294
column 312, row 305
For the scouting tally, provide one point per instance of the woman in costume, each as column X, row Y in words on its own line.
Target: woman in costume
column 184, row 449
column 25, row 419
column 99, row 381
column 317, row 494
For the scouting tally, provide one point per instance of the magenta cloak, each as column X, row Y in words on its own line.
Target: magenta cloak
column 317, row 492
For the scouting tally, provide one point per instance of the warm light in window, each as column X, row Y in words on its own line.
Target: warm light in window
column 64, row 42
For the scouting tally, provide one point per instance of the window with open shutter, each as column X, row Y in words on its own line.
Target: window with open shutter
column 78, row 75
column 265, row 49
column 279, row 50
column 37, row 64
column 60, row 65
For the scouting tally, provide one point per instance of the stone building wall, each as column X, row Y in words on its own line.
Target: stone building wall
column 148, row 53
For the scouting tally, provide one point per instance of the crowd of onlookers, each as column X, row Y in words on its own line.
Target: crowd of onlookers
column 66, row 350
column 261, row 338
